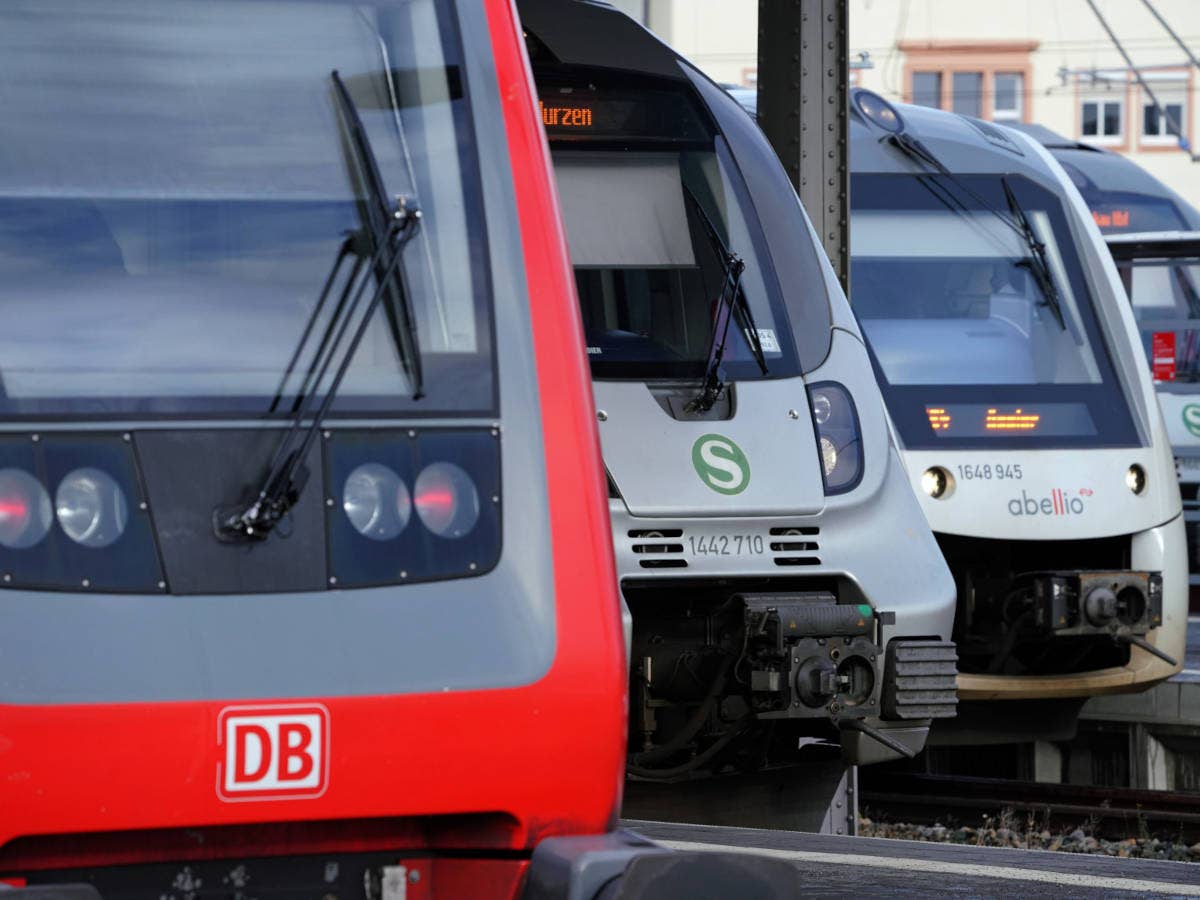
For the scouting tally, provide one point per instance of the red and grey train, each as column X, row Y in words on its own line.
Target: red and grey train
column 306, row 580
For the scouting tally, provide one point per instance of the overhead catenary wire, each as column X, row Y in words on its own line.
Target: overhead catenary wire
column 1172, row 124
column 1171, row 31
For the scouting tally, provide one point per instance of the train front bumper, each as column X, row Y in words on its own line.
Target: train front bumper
column 1162, row 549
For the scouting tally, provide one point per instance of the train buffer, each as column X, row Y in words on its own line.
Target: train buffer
column 836, row 866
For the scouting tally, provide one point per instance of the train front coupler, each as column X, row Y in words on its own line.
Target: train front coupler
column 1124, row 605
column 810, row 657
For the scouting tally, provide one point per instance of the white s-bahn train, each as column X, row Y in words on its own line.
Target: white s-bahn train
column 1019, row 392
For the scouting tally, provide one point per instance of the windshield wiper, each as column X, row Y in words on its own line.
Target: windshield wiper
column 731, row 303
column 1037, row 265
column 379, row 247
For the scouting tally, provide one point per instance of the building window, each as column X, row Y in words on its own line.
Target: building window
column 967, row 99
column 1101, row 120
column 927, row 89
column 983, row 79
column 1007, row 93
column 1159, row 128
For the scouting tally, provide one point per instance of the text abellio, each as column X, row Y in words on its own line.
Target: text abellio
column 1057, row 504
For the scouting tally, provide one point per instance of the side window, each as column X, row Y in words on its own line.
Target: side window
column 1101, row 121
column 927, row 89
column 968, row 93
column 1008, row 97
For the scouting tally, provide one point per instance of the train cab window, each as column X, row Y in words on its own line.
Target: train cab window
column 650, row 228
column 963, row 334
column 1165, row 293
column 165, row 233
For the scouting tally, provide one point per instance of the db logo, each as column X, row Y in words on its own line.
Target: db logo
column 277, row 752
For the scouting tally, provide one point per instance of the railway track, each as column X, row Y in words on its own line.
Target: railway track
column 1112, row 812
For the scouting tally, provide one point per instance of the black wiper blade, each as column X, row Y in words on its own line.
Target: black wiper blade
column 731, row 303
column 380, row 209
column 1037, row 264
column 914, row 148
column 378, row 247
column 730, row 260
column 713, row 384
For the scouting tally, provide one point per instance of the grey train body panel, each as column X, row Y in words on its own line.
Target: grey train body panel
column 784, row 471
column 408, row 639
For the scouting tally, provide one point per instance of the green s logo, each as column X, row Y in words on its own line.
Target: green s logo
column 721, row 464
column 1191, row 418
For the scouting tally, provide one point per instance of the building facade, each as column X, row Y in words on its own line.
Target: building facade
column 1044, row 61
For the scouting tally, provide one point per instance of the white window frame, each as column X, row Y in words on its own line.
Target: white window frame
column 1101, row 100
column 1017, row 113
column 1169, row 93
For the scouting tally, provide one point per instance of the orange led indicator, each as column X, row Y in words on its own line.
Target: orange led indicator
column 1014, row 421
column 939, row 419
column 1116, row 218
column 566, row 116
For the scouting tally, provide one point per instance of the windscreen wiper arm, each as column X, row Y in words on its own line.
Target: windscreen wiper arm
column 381, row 211
column 379, row 246
column 731, row 303
column 1037, row 264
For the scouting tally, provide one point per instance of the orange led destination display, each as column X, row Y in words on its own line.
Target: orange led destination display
column 566, row 116
column 1113, row 218
column 1014, row 421
column 988, row 420
column 939, row 419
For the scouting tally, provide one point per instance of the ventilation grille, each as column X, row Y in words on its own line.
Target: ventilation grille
column 795, row 546
column 664, row 548
column 920, row 680
column 995, row 135
column 659, row 548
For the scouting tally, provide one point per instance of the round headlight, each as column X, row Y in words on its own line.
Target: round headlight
column 91, row 508
column 376, row 501
column 936, row 482
column 1135, row 479
column 829, row 456
column 878, row 111
column 25, row 512
column 446, row 500
column 822, row 408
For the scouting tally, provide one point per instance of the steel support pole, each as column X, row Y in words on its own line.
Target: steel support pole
column 802, row 102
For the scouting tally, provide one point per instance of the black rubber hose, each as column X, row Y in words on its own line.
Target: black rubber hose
column 1010, row 641
column 693, row 725
column 692, row 764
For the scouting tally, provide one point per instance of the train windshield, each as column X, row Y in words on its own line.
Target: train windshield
column 1164, row 286
column 972, row 346
column 655, row 210
column 175, row 185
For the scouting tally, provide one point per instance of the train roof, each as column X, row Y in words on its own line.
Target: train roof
column 961, row 143
column 1095, row 170
column 593, row 33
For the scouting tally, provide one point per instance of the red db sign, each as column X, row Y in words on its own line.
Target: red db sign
column 277, row 752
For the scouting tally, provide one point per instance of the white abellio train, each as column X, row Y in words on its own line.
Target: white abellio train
column 1018, row 389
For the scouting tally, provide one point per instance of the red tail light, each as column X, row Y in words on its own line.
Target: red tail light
column 447, row 500
column 25, row 513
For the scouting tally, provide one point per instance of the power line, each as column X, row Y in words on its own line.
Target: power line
column 1172, row 124
column 1171, row 32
